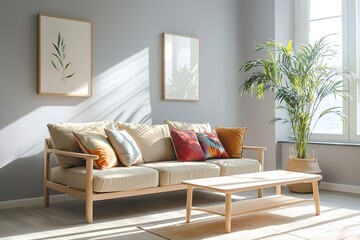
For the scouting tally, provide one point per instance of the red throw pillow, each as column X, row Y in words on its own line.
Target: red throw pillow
column 187, row 147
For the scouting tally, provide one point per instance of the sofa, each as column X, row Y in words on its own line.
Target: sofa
column 108, row 159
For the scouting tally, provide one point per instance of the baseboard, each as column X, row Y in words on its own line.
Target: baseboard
column 340, row 187
column 34, row 201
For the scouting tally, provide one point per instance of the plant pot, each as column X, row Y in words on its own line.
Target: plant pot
column 305, row 165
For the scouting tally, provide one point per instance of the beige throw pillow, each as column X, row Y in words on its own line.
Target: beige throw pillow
column 62, row 138
column 154, row 141
column 197, row 127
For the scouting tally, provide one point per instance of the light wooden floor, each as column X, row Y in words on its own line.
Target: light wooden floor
column 118, row 219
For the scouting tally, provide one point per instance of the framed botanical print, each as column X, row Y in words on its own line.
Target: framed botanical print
column 64, row 57
column 180, row 68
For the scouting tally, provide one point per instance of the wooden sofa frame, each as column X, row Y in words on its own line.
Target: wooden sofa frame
column 90, row 196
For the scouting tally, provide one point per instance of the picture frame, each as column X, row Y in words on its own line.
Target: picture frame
column 181, row 78
column 64, row 56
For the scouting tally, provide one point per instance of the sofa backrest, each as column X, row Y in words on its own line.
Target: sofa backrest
column 62, row 138
column 154, row 141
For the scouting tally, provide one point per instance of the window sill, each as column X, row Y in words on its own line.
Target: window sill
column 345, row 144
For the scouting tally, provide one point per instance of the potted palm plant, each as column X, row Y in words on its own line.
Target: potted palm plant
column 300, row 79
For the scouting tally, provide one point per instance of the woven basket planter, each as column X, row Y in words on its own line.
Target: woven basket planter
column 305, row 165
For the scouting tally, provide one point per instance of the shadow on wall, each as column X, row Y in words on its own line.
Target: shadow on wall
column 121, row 93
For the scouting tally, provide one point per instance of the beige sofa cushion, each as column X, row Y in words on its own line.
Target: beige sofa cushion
column 173, row 172
column 109, row 180
column 62, row 138
column 235, row 166
column 197, row 127
column 154, row 141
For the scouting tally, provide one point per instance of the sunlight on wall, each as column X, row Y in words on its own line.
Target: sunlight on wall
column 121, row 93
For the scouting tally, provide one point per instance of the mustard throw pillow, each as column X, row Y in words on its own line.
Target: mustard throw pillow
column 232, row 140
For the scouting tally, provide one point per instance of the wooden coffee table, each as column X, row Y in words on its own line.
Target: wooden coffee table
column 244, row 182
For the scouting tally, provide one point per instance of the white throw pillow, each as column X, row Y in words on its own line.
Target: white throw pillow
column 125, row 147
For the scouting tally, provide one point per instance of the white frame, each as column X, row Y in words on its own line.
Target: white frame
column 169, row 59
column 64, row 57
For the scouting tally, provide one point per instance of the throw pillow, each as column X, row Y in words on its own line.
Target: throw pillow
column 232, row 139
column 187, row 147
column 97, row 144
column 154, row 141
column 197, row 127
column 125, row 147
column 211, row 145
column 62, row 138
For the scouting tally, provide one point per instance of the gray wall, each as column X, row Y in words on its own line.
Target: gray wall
column 127, row 76
column 339, row 164
column 126, row 68
column 257, row 24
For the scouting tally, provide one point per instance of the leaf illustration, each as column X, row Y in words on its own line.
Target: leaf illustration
column 69, row 76
column 54, row 65
column 57, row 57
column 57, row 49
column 63, row 51
column 66, row 66
column 60, row 56
column 59, row 38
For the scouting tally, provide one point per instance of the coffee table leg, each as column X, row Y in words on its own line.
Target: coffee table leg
column 189, row 197
column 315, row 188
column 278, row 190
column 228, row 212
column 260, row 193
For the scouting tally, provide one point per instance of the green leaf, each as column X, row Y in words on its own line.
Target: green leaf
column 66, row 66
column 57, row 58
column 69, row 76
column 54, row 65
column 59, row 38
column 57, row 49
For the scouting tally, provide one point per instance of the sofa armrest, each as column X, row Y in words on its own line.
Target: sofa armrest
column 261, row 153
column 48, row 148
column 89, row 158
column 74, row 154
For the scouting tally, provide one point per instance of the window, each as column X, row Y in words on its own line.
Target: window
column 315, row 19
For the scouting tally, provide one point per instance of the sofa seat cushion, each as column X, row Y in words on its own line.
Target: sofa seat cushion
column 109, row 180
column 235, row 166
column 173, row 172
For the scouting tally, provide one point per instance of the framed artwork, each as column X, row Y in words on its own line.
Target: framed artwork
column 180, row 68
column 64, row 57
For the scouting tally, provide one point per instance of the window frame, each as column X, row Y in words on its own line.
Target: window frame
column 350, row 32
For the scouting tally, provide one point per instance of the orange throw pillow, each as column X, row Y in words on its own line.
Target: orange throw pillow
column 97, row 144
column 232, row 140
